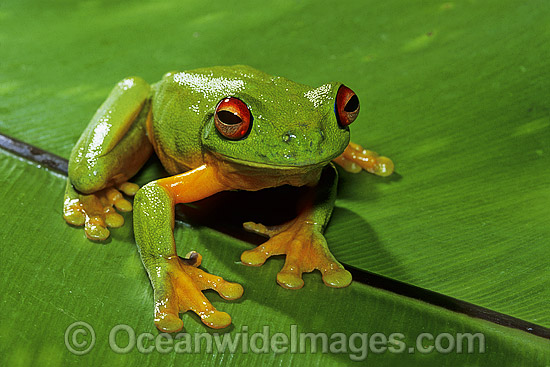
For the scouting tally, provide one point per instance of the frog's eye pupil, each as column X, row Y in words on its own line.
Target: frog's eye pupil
column 232, row 118
column 347, row 106
column 229, row 117
column 352, row 105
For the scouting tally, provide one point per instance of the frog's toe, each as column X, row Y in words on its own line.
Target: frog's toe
column 230, row 291
column 209, row 315
column 72, row 210
column 276, row 245
column 123, row 205
column 74, row 217
column 384, row 166
column 95, row 229
column 114, row 197
column 216, row 319
column 168, row 322
column 128, row 188
column 337, row 277
column 347, row 164
column 192, row 258
column 255, row 257
column 290, row 277
column 258, row 255
column 167, row 310
column 204, row 280
column 258, row 228
column 114, row 220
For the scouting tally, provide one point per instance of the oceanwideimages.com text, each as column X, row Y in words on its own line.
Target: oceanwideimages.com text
column 80, row 339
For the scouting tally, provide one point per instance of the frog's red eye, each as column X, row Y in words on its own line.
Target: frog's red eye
column 347, row 106
column 232, row 118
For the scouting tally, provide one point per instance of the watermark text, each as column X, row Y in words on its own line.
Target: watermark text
column 80, row 339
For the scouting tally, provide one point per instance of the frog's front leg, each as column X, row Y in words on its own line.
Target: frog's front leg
column 111, row 149
column 302, row 239
column 355, row 159
column 177, row 282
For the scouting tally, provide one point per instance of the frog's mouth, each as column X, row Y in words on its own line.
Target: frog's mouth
column 275, row 166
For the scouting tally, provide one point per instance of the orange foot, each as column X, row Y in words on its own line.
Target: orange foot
column 180, row 289
column 305, row 248
column 96, row 211
column 355, row 159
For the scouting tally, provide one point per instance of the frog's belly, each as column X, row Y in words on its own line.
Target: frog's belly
column 252, row 178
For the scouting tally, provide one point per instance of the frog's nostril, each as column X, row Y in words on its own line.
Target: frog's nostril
column 288, row 136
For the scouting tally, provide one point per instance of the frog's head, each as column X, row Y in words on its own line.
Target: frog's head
column 273, row 122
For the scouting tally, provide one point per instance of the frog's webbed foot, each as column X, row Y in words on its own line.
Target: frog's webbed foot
column 97, row 211
column 178, row 286
column 355, row 159
column 306, row 250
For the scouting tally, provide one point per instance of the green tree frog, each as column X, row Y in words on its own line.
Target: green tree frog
column 216, row 129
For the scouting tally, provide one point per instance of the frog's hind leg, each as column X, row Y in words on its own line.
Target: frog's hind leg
column 111, row 149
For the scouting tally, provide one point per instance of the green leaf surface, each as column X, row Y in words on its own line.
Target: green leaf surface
column 456, row 93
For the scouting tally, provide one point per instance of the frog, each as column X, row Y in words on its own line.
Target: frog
column 223, row 128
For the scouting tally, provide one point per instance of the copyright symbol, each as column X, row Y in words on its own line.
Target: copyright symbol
column 79, row 338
